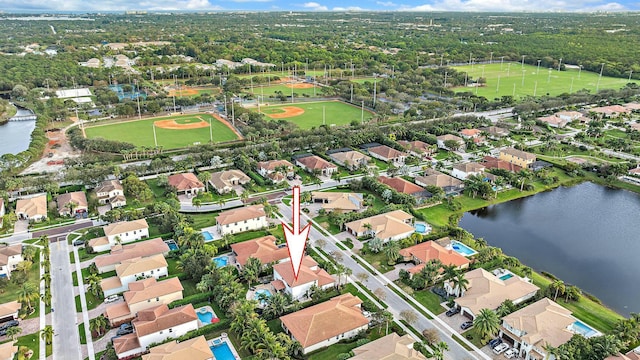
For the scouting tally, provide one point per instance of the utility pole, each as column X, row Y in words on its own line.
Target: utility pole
column 523, row 60
column 498, row 87
column 375, row 81
column 538, row 71
column 233, row 113
column 138, row 99
column 599, row 77
column 362, row 113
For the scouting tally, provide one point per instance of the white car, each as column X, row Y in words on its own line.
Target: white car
column 110, row 299
column 511, row 353
column 500, row 348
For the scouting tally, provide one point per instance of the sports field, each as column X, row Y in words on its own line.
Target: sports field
column 186, row 91
column 308, row 115
column 299, row 88
column 536, row 83
column 364, row 80
column 171, row 131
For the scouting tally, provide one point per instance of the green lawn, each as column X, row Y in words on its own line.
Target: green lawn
column 203, row 220
column 378, row 261
column 140, row 132
column 32, row 341
column 336, row 113
column 430, row 300
column 83, row 336
column 10, row 290
column 548, row 82
column 271, row 91
column 331, row 352
column 92, row 301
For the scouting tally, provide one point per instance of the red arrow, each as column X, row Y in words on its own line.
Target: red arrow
column 296, row 238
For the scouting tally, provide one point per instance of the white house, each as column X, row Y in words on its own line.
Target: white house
column 111, row 192
column 10, row 310
column 242, row 219
column 120, row 253
column 442, row 138
column 10, row 256
column 463, row 171
column 394, row 225
column 120, row 232
column 132, row 270
column 310, row 274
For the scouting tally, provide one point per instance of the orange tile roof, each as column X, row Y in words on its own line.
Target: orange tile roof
column 139, row 265
column 125, row 343
column 386, row 151
column 192, row 349
column 125, row 226
column 490, row 162
column 32, row 206
column 263, row 249
column 469, row 167
column 446, row 137
column 150, row 288
column 309, row 272
column 115, row 311
column 430, row 250
column 271, row 165
column 110, row 283
column 140, row 249
column 416, row 146
column 315, row 162
column 78, row 197
column 186, row 181
column 240, row 214
column 401, row 185
column 470, row 132
column 158, row 318
column 278, row 285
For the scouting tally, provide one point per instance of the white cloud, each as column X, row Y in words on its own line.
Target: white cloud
column 350, row 8
column 250, row 1
column 112, row 5
column 386, row 3
column 315, row 6
column 514, row 5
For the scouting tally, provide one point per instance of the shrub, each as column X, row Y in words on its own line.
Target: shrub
column 361, row 342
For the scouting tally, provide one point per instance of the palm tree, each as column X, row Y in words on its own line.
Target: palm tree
column 449, row 272
column 251, row 270
column 460, row 284
column 27, row 293
column 486, row 323
column 480, row 242
column 204, row 178
column 227, row 239
column 392, row 251
column 46, row 334
column 276, row 305
column 270, row 210
column 24, row 266
column 550, row 350
column 558, row 287
column 13, row 332
column 29, row 252
column 46, row 298
column 439, row 349
column 244, row 196
column 93, row 280
column 96, row 325
column 196, row 202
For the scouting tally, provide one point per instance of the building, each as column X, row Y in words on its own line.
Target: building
column 120, row 233
column 430, row 250
column 418, row 148
column 610, row 111
column 394, row 225
column 495, row 131
column 156, row 325
column 463, row 171
column 390, row 347
column 224, row 181
column 132, row 270
column 120, row 253
column 406, row 187
column 334, row 201
column 448, row 184
column 75, row 202
column 470, row 133
column 9, row 311
column 264, row 249
column 242, row 219
column 635, row 126
column 313, row 163
column 142, row 295
column 631, row 355
column 276, row 170
column 10, row 256
column 554, row 121
column 310, row 275
column 326, row 323
column 186, row 184
column 350, row 159
column 192, row 349
column 487, row 291
column 517, row 157
column 490, row 162
column 32, row 209
column 447, row 137
column 387, row 154
column 111, row 192
column 570, row 116
column 8, row 350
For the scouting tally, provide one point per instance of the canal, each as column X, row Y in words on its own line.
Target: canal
column 16, row 135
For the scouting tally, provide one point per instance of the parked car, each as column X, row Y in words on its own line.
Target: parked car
column 111, row 298
column 500, row 348
column 452, row 312
column 465, row 325
column 8, row 324
column 78, row 243
column 511, row 353
column 125, row 329
column 493, row 343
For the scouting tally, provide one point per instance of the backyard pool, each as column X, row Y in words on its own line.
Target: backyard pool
column 421, row 228
column 505, row 277
column 222, row 352
column 207, row 236
column 206, row 316
column 261, row 295
column 221, row 261
column 171, row 244
column 583, row 329
column 462, row 249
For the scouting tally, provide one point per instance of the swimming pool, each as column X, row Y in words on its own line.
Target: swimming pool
column 505, row 277
column 205, row 317
column 207, row 236
column 221, row 261
column 261, row 295
column 462, row 249
column 420, row 228
column 583, row 329
column 172, row 245
column 222, row 352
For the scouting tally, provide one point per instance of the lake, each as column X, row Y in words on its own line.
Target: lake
column 16, row 135
column 587, row 235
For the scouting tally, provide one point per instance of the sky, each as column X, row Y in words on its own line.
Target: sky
column 320, row 5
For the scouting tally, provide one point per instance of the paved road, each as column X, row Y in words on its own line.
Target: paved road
column 53, row 233
column 66, row 342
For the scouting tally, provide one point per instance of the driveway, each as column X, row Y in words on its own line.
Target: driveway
column 454, row 321
column 20, row 226
column 394, row 274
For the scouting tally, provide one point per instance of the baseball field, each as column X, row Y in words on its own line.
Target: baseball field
column 170, row 131
column 187, row 91
column 299, row 89
column 308, row 115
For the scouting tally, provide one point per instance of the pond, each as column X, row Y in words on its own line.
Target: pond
column 586, row 235
column 16, row 135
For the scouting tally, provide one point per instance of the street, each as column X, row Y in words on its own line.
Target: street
column 66, row 342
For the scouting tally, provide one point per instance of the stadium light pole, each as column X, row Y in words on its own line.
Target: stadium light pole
column 138, row 98
column 498, row 86
column 571, row 87
column 210, row 132
column 599, row 77
column 491, row 58
column 509, row 69
column 233, row 114
column 362, row 113
column 523, row 60
column 538, row 71
column 549, row 76
column 226, row 114
column 501, row 62
column 560, row 64
column 630, row 72
column 445, row 79
column 352, row 92
column 155, row 138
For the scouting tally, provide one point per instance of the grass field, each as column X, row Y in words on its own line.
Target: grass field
column 140, row 132
column 545, row 82
column 336, row 113
column 285, row 89
column 194, row 91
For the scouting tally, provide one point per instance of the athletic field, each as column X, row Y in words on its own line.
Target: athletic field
column 299, row 89
column 308, row 115
column 171, row 131
column 536, row 83
column 187, row 91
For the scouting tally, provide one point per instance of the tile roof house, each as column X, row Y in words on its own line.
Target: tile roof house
column 192, row 349
column 186, row 183
column 430, row 250
column 610, row 111
column 120, row 232
column 326, row 323
column 120, row 253
column 490, row 162
column 313, row 163
column 554, row 121
column 111, row 192
column 635, row 126
column 470, row 133
column 310, row 275
column 224, row 181
column 406, row 187
column 144, row 294
column 130, row 270
column 517, row 157
column 10, row 256
column 351, row 159
column 390, row 347
column 276, row 170
column 463, row 171
column 447, row 183
column 495, row 131
column 155, row 325
column 10, row 310
column 33, row 208
column 263, row 249
column 339, row 201
column 387, row 154
column 631, row 355
column 242, row 219
column 418, row 148
column 394, row 225
column 8, row 350
column 487, row 291
column 76, row 200
column 446, row 137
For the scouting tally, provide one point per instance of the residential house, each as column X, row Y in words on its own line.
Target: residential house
column 276, row 170
column 554, row 121
column 120, row 233
column 10, row 256
column 394, row 225
column 309, row 275
column 32, row 209
column 2, row 212
column 387, row 154
column 327, row 323
column 186, row 184
column 74, row 201
column 570, row 116
column 242, row 219
column 120, row 253
column 448, row 184
column 631, row 355
column 312, row 163
column 495, row 132
column 635, row 171
column 442, row 138
column 390, row 347
column 463, row 171
column 192, row 349
column 474, row 135
column 142, row 295
column 490, row 162
column 517, row 157
column 224, row 181
column 422, row 253
column 9, row 311
column 334, row 201
column 264, row 249
column 418, row 148
column 635, row 126
column 156, row 325
column 8, row 350
column 406, row 187
column 132, row 270
column 111, row 192
column 610, row 111
column 350, row 159
column 488, row 291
